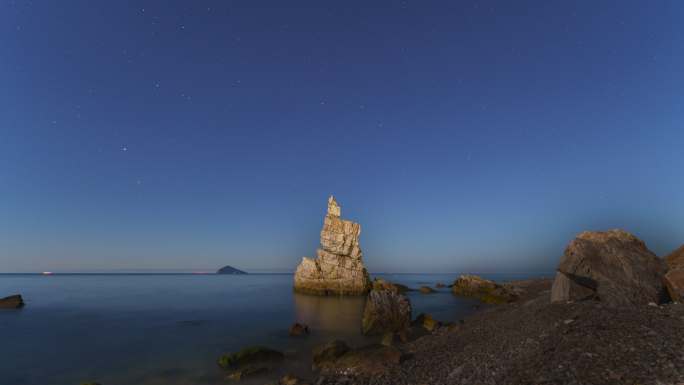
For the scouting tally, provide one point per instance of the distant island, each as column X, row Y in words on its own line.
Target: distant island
column 229, row 270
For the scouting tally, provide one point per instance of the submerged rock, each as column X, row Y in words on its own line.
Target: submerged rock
column 12, row 302
column 674, row 278
column 298, row 329
column 249, row 362
column 614, row 267
column 426, row 290
column 482, row 289
column 339, row 267
column 386, row 310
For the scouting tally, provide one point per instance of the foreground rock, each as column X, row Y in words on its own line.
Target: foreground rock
column 386, row 310
column 674, row 279
column 250, row 362
column 614, row 267
column 339, row 267
column 426, row 322
column 12, row 302
column 337, row 358
column 482, row 289
column 532, row 341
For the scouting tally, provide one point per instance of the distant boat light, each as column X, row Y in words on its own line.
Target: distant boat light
column 47, row 273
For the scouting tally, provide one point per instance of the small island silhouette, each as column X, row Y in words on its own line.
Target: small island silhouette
column 229, row 270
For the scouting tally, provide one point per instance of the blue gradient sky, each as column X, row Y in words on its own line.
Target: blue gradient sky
column 462, row 135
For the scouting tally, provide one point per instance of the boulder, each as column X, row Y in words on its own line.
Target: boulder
column 614, row 267
column 298, row 329
column 249, row 362
column 329, row 352
column 426, row 290
column 482, row 289
column 674, row 278
column 426, row 322
column 366, row 361
column 338, row 268
column 386, row 310
column 12, row 302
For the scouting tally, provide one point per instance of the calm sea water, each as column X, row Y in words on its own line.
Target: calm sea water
column 170, row 328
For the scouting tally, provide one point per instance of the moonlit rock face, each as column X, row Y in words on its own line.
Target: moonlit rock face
column 338, row 268
column 333, row 208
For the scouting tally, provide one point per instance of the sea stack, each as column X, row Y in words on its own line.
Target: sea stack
column 339, row 267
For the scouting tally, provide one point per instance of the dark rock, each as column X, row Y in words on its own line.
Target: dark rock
column 297, row 330
column 426, row 290
column 249, row 362
column 367, row 361
column 427, row 322
column 229, row 270
column 329, row 352
column 247, row 372
column 91, row 383
column 12, row 302
column 482, row 289
column 386, row 310
column 291, row 379
column 614, row 267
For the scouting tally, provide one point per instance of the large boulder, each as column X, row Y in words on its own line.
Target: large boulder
column 674, row 278
column 614, row 267
column 386, row 310
column 12, row 302
column 482, row 289
column 339, row 267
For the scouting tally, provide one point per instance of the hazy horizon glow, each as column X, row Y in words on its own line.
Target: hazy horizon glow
column 463, row 136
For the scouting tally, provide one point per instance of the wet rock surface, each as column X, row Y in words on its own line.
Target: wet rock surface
column 298, row 330
column 614, row 267
column 339, row 268
column 534, row 341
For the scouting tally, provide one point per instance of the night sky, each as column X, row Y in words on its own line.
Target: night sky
column 462, row 135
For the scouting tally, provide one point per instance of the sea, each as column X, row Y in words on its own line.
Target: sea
column 154, row 329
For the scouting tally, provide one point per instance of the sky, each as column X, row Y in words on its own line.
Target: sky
column 463, row 135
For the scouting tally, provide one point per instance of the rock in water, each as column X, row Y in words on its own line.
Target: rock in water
column 386, row 310
column 12, row 302
column 483, row 289
column 339, row 267
column 674, row 279
column 229, row 270
column 614, row 267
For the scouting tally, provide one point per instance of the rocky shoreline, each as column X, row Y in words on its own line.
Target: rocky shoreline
column 610, row 316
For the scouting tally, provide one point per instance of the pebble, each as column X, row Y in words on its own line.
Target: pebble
column 568, row 321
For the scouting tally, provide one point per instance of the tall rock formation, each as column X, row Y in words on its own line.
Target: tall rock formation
column 338, row 268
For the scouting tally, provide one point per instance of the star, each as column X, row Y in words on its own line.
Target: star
column 124, row 148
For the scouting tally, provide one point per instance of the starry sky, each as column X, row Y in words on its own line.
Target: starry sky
column 462, row 135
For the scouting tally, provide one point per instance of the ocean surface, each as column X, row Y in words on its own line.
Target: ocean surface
column 153, row 329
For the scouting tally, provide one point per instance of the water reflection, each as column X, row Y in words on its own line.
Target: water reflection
column 332, row 315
